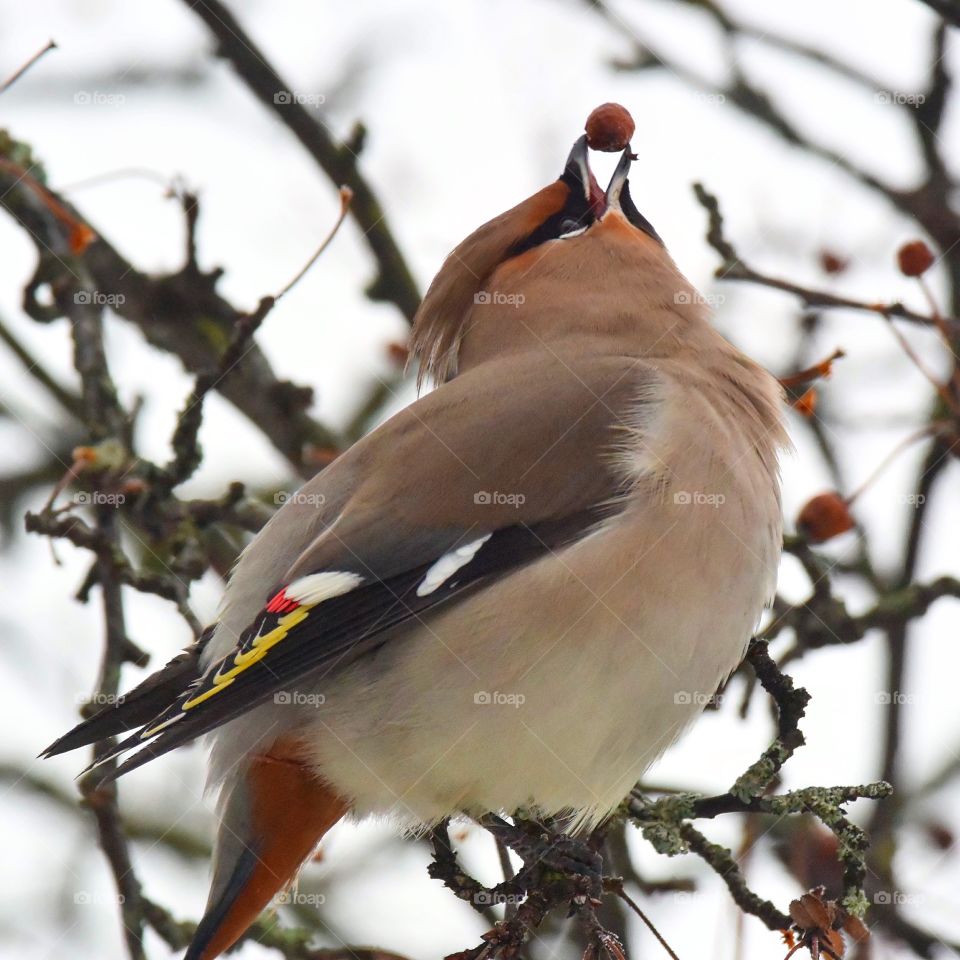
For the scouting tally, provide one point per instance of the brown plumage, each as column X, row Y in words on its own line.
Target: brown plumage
column 583, row 518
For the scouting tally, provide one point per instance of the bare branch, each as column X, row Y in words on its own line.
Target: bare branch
column 734, row 268
column 394, row 282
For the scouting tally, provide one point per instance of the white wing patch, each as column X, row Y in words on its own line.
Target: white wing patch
column 448, row 565
column 317, row 587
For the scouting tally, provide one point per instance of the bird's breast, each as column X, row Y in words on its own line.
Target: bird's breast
column 557, row 685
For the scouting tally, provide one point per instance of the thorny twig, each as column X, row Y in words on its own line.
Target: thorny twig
column 734, row 268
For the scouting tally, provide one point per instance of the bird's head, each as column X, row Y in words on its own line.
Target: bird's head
column 570, row 258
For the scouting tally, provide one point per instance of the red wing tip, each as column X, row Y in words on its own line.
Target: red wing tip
column 281, row 603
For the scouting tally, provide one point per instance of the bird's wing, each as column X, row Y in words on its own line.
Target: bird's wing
column 141, row 704
column 462, row 487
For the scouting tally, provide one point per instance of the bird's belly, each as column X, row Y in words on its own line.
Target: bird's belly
column 619, row 652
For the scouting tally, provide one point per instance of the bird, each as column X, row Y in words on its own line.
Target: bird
column 516, row 592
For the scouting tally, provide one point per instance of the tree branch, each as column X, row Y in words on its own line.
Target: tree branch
column 394, row 282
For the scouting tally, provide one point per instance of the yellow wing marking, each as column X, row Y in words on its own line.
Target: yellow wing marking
column 242, row 661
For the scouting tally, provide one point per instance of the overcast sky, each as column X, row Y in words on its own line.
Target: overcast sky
column 471, row 107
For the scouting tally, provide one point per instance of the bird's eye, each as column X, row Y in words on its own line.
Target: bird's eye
column 573, row 220
column 571, row 228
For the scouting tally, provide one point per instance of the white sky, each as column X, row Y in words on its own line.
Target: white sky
column 470, row 106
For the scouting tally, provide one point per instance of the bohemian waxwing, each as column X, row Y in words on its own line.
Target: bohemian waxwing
column 514, row 593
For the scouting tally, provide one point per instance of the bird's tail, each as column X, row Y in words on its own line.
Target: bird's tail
column 271, row 819
column 126, row 714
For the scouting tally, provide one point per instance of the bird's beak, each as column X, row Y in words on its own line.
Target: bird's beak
column 578, row 168
column 618, row 196
column 618, row 182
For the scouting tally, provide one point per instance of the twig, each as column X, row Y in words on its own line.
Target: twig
column 948, row 9
column 949, row 400
column 69, row 401
column 883, row 821
column 750, row 100
column 791, row 703
column 346, row 196
column 723, row 864
column 179, row 313
column 733, row 268
column 617, row 888
column 816, row 372
column 394, row 281
column 904, row 444
column 13, row 78
column 80, row 534
column 104, row 417
column 186, row 450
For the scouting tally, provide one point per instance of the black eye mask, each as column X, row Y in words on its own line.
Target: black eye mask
column 576, row 214
column 584, row 206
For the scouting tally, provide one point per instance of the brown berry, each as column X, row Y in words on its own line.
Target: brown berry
column 940, row 835
column 609, row 128
column 833, row 263
column 398, row 353
column 914, row 258
column 827, row 515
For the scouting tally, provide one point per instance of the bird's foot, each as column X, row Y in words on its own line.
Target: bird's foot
column 552, row 857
